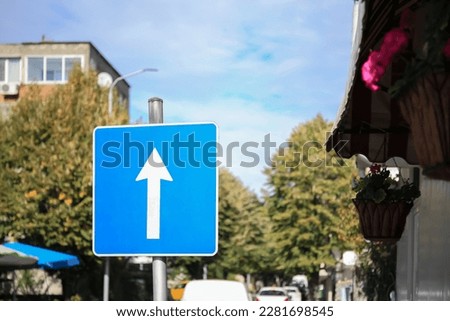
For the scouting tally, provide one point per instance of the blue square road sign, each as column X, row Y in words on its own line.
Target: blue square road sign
column 155, row 190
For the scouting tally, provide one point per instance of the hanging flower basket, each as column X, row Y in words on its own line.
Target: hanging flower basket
column 383, row 203
column 426, row 108
column 382, row 222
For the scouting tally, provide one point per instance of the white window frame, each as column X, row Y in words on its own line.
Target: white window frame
column 7, row 69
column 63, row 68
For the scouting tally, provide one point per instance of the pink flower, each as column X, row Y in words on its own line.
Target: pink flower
column 379, row 59
column 373, row 87
column 370, row 76
column 394, row 42
column 446, row 49
column 373, row 69
column 375, row 168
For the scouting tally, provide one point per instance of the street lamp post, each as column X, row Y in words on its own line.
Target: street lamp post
column 114, row 83
column 110, row 107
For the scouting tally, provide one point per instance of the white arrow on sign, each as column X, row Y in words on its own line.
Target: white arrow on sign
column 154, row 171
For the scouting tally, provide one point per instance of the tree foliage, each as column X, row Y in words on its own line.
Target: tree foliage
column 243, row 228
column 307, row 189
column 46, row 164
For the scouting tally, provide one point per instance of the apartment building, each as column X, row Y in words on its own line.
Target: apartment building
column 49, row 64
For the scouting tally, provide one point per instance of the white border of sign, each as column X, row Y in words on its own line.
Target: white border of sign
column 93, row 193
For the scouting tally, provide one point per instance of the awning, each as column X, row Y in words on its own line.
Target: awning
column 370, row 123
column 46, row 259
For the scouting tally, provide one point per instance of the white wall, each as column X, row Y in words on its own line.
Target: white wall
column 423, row 256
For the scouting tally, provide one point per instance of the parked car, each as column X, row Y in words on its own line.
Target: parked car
column 215, row 290
column 293, row 293
column 272, row 293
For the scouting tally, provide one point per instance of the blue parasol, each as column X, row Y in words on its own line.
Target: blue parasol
column 46, row 259
column 11, row 260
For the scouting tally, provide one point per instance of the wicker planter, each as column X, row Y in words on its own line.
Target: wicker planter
column 426, row 108
column 382, row 222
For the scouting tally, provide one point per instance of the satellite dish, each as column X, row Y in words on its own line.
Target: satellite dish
column 104, row 79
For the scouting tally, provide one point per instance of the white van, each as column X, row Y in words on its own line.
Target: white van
column 215, row 290
column 300, row 279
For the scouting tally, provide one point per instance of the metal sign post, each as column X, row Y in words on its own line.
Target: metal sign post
column 155, row 116
column 106, row 279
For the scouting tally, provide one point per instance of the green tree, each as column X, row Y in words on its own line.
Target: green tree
column 243, row 228
column 46, row 166
column 307, row 189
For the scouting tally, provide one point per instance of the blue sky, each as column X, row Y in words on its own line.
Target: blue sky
column 254, row 67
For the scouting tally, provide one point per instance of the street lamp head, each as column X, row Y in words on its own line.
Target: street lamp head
column 113, row 84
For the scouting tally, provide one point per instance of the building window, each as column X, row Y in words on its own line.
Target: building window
column 35, row 69
column 70, row 63
column 9, row 69
column 54, row 69
column 51, row 69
